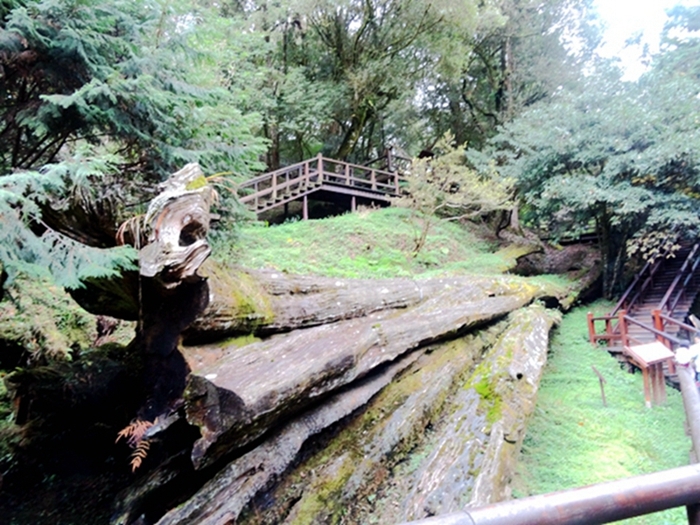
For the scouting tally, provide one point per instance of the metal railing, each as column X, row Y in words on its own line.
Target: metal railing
column 601, row 503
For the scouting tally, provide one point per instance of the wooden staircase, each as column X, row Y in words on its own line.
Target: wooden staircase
column 655, row 299
column 320, row 174
column 654, row 308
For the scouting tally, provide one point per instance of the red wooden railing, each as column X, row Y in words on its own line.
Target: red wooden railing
column 615, row 328
column 286, row 184
column 616, row 323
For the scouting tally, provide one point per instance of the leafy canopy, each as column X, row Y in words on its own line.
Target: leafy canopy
column 619, row 158
column 100, row 99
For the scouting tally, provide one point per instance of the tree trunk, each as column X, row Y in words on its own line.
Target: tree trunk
column 352, row 135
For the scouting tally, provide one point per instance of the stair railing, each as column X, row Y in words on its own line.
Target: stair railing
column 269, row 186
column 680, row 283
column 614, row 323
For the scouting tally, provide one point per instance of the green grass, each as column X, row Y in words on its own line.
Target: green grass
column 371, row 243
column 573, row 440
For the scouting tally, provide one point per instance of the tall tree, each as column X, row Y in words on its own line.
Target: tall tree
column 91, row 89
column 339, row 75
column 539, row 48
column 617, row 157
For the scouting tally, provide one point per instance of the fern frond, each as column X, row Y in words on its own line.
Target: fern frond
column 139, row 454
column 134, row 432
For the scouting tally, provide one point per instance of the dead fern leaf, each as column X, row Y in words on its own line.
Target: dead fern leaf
column 139, row 454
column 133, row 433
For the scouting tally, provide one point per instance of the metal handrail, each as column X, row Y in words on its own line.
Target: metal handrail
column 601, row 503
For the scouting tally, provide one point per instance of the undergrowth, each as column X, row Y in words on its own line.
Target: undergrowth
column 370, row 243
column 573, row 440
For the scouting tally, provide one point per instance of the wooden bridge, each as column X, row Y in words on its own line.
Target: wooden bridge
column 324, row 177
column 653, row 310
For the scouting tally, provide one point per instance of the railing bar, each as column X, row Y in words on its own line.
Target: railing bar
column 675, row 282
column 653, row 330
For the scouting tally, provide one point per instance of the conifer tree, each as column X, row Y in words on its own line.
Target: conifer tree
column 99, row 104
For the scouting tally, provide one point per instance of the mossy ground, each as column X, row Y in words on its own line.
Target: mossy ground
column 370, row 243
column 573, row 440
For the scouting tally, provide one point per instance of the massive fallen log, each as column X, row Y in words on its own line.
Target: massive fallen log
column 458, row 425
column 324, row 351
column 236, row 394
column 312, row 378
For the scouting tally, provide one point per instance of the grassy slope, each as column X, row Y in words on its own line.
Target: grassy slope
column 573, row 440
column 365, row 244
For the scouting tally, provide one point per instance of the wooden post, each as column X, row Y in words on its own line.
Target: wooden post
column 305, row 212
column 658, row 324
column 622, row 324
column 353, row 204
column 320, row 167
column 602, row 381
column 647, row 386
column 274, row 186
column 660, row 385
column 591, row 328
column 373, row 178
column 347, row 175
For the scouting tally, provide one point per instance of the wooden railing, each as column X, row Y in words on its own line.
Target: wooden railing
column 614, row 322
column 617, row 321
column 679, row 286
column 289, row 183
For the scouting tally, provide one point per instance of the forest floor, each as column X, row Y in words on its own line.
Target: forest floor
column 574, row 440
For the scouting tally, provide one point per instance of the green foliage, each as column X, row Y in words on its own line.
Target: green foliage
column 100, row 100
column 620, row 158
column 573, row 440
column 29, row 246
column 446, row 187
column 519, row 55
column 112, row 72
column 44, row 321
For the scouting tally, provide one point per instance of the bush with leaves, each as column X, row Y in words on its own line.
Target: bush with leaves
column 445, row 187
column 101, row 100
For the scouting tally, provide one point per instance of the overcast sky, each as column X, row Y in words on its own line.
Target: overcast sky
column 626, row 18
